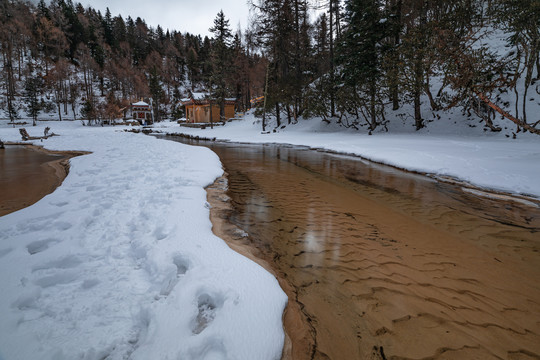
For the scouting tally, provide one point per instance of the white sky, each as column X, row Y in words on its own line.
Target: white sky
column 195, row 17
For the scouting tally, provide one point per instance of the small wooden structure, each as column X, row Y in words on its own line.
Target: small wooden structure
column 198, row 108
column 141, row 112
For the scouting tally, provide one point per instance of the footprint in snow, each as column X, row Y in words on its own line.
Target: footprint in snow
column 62, row 225
column 207, row 305
column 41, row 245
column 59, row 278
column 210, row 349
column 182, row 265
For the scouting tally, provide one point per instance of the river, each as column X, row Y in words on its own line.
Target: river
column 379, row 263
column 26, row 175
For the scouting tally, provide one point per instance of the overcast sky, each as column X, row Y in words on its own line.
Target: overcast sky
column 193, row 16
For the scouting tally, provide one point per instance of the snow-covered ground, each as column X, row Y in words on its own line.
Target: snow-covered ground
column 120, row 261
column 443, row 149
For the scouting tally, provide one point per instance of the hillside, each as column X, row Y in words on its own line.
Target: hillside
column 399, row 66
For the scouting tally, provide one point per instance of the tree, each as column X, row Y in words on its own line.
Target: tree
column 275, row 31
column 361, row 54
column 8, row 31
column 521, row 20
column 220, row 61
column 154, row 66
column 56, row 80
column 393, row 57
column 32, row 90
column 414, row 50
column 51, row 41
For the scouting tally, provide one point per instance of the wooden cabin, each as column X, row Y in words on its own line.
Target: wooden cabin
column 198, row 108
column 141, row 112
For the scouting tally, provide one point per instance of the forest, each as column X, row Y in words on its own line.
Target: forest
column 353, row 62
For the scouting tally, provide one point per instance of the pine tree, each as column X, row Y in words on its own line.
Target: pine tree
column 275, row 31
column 361, row 53
column 220, row 60
column 108, row 29
column 155, row 86
column 32, row 89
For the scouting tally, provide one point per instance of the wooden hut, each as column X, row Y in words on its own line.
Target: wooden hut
column 198, row 108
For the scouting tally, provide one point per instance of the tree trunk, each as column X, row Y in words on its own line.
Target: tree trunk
column 288, row 114
column 394, row 90
column 427, row 90
column 506, row 115
column 372, row 106
column 10, row 82
column 211, row 117
column 529, row 63
column 222, row 110
column 265, row 97
column 419, row 68
column 417, row 92
column 332, row 73
column 59, row 109
column 65, row 97
column 278, row 121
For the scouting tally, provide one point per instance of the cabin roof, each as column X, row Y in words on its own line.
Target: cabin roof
column 200, row 98
column 140, row 103
column 199, row 95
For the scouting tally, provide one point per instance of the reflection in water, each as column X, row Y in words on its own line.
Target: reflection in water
column 24, row 177
column 387, row 264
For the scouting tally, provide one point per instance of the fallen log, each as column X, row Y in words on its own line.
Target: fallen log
column 25, row 136
column 515, row 120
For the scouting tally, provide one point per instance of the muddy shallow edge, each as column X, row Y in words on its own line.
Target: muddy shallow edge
column 60, row 170
column 295, row 328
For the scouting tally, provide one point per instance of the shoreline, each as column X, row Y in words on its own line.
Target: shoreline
column 482, row 191
column 55, row 173
column 296, row 337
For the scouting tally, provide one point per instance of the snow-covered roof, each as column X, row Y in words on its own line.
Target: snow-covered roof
column 202, row 98
column 140, row 103
column 199, row 95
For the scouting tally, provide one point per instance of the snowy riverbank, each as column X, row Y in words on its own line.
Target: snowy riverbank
column 488, row 160
column 120, row 260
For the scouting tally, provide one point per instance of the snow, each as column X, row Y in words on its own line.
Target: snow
column 140, row 103
column 443, row 149
column 199, row 95
column 120, row 261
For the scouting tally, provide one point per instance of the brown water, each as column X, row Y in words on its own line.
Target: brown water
column 384, row 264
column 26, row 175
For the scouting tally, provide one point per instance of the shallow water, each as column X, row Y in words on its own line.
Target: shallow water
column 25, row 177
column 382, row 263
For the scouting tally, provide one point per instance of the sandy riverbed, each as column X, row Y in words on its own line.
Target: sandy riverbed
column 375, row 282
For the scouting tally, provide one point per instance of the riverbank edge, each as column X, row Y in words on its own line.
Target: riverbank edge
column 480, row 191
column 60, row 169
column 298, row 337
